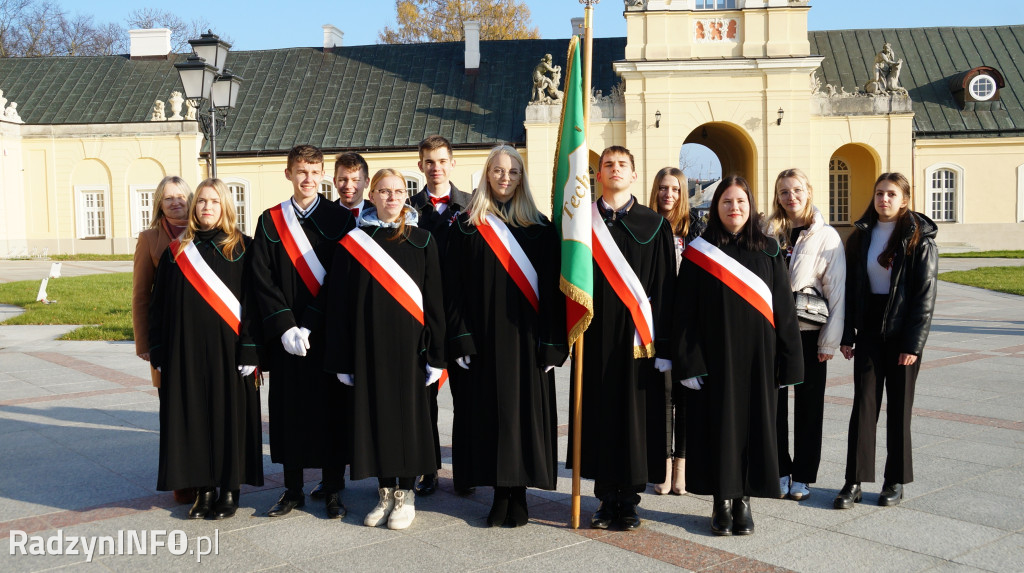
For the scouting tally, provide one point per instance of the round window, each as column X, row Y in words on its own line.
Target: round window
column 982, row 87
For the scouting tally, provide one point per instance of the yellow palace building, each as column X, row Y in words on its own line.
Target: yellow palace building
column 85, row 140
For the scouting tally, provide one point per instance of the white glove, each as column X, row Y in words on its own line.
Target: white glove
column 433, row 374
column 295, row 342
column 463, row 362
column 346, row 379
column 246, row 370
column 662, row 365
column 158, row 369
column 692, row 383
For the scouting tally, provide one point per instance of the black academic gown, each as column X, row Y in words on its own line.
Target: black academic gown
column 308, row 408
column 617, row 446
column 730, row 421
column 211, row 434
column 505, row 430
column 371, row 336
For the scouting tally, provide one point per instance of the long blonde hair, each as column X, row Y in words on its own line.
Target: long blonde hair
column 382, row 174
column 228, row 219
column 679, row 218
column 779, row 225
column 158, row 197
column 522, row 211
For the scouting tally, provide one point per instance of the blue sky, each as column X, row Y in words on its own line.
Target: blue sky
column 262, row 24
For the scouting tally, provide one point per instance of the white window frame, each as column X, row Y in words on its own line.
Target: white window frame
column 245, row 223
column 959, row 181
column 833, row 216
column 412, row 176
column 80, row 210
column 328, row 189
column 136, row 191
column 973, row 85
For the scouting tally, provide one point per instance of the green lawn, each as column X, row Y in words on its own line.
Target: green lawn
column 1002, row 279
column 92, row 257
column 985, row 255
column 102, row 303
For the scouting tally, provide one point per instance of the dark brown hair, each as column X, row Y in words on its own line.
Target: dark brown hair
column 904, row 219
column 433, row 142
column 750, row 236
column 617, row 149
column 351, row 160
column 306, row 154
column 679, row 217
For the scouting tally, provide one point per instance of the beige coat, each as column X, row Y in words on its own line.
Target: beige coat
column 150, row 247
column 820, row 261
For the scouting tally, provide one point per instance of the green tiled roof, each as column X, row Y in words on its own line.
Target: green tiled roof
column 931, row 58
column 378, row 96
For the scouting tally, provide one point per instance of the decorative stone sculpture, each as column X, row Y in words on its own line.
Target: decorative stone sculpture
column 11, row 113
column 158, row 111
column 545, row 89
column 176, row 100
column 3, row 100
column 887, row 73
column 190, row 113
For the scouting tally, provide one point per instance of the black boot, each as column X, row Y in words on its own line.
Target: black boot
column 205, row 497
column 721, row 517
column 518, row 513
column 850, row 494
column 227, row 504
column 742, row 520
column 499, row 508
column 892, row 494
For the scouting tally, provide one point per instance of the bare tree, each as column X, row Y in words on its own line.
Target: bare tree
column 33, row 28
column 442, row 20
column 181, row 31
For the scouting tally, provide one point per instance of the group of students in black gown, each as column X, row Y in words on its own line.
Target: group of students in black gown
column 360, row 310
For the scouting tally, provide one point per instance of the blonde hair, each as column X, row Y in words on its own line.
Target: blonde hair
column 158, row 197
column 779, row 225
column 522, row 211
column 227, row 223
column 383, row 174
column 679, row 217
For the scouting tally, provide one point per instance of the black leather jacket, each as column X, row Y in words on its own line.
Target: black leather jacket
column 912, row 288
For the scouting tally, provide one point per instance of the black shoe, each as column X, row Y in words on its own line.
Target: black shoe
column 227, row 505
column 465, row 491
column 518, row 513
column 499, row 509
column 289, row 501
column 335, row 509
column 892, row 494
column 628, row 517
column 606, row 513
column 850, row 494
column 318, row 491
column 205, row 497
column 426, row 485
column 721, row 517
column 742, row 520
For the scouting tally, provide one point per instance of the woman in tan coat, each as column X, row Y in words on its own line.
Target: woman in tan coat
column 170, row 217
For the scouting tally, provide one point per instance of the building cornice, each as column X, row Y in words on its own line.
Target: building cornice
column 808, row 63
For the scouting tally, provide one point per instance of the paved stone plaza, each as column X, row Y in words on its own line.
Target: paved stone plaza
column 78, row 457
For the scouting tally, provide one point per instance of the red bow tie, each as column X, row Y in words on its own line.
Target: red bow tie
column 355, row 212
column 436, row 200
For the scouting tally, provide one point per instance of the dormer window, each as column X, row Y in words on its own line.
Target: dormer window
column 715, row 5
column 982, row 87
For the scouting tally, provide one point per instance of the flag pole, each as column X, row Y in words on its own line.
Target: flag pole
column 577, row 375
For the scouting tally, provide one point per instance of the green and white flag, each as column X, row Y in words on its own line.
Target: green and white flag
column 571, row 202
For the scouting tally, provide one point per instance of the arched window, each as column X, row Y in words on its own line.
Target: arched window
column 838, row 191
column 942, row 191
column 327, row 188
column 239, row 192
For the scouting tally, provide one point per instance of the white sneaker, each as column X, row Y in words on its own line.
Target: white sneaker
column 405, row 509
column 379, row 515
column 784, row 486
column 799, row 491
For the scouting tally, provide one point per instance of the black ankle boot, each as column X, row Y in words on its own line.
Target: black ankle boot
column 204, row 502
column 742, row 519
column 499, row 509
column 850, row 494
column 721, row 517
column 518, row 513
column 227, row 504
column 892, row 494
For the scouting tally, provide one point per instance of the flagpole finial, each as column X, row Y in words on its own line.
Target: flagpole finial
column 589, row 3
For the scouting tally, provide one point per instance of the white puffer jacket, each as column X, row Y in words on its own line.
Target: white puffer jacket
column 819, row 261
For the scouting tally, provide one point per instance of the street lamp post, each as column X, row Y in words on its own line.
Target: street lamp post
column 203, row 77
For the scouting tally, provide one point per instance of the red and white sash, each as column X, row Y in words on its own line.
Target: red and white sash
column 626, row 285
column 298, row 247
column 206, row 282
column 737, row 277
column 389, row 274
column 511, row 256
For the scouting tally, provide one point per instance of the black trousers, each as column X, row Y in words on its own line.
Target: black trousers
column 333, row 478
column 875, row 368
column 618, row 493
column 432, row 398
column 808, row 413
